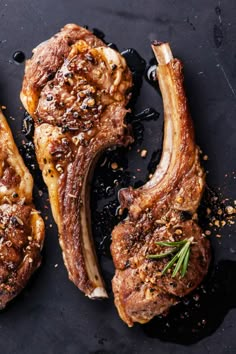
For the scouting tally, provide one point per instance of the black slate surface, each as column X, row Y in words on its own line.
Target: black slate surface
column 51, row 315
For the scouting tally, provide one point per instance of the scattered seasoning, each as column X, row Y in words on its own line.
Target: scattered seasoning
column 4, row 107
column 143, row 153
column 215, row 212
column 114, row 165
column 205, row 157
column 55, row 265
column 229, row 210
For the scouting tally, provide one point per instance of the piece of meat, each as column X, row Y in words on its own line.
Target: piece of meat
column 157, row 212
column 21, row 227
column 76, row 89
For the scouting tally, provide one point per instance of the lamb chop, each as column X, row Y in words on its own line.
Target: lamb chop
column 21, row 227
column 76, row 89
column 160, row 255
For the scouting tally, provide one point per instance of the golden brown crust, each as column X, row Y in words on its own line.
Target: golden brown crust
column 155, row 213
column 21, row 228
column 47, row 58
column 78, row 112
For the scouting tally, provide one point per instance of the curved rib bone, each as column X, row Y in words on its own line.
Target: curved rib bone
column 76, row 88
column 155, row 211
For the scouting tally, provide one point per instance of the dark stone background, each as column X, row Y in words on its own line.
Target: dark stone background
column 51, row 315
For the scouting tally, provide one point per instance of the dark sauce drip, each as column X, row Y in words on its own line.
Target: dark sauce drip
column 99, row 34
column 27, row 150
column 137, row 67
column 19, row 57
column 151, row 76
column 107, row 182
column 137, row 120
column 155, row 158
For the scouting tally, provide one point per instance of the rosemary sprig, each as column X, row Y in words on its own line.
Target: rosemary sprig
column 181, row 249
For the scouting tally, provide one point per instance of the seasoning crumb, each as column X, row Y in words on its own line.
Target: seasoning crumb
column 205, row 157
column 143, row 153
column 208, row 211
column 218, row 235
column 150, row 175
column 120, row 211
column 217, row 223
column 4, row 107
column 208, row 232
column 178, row 232
column 114, row 165
column 55, row 265
column 179, row 200
column 40, row 193
column 229, row 210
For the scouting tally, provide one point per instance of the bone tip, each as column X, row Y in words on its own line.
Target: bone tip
column 162, row 52
column 98, row 293
column 156, row 43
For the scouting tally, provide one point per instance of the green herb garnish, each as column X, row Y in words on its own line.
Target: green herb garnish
column 181, row 251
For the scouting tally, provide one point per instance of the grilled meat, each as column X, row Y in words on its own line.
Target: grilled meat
column 156, row 212
column 21, row 227
column 76, row 89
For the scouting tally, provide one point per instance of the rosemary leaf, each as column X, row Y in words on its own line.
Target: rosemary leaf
column 181, row 256
column 161, row 255
column 181, row 249
column 185, row 263
column 171, row 244
column 170, row 263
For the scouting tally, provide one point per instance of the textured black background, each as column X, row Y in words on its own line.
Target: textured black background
column 51, row 315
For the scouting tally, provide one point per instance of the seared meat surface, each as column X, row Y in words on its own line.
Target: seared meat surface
column 76, row 89
column 21, row 227
column 156, row 212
